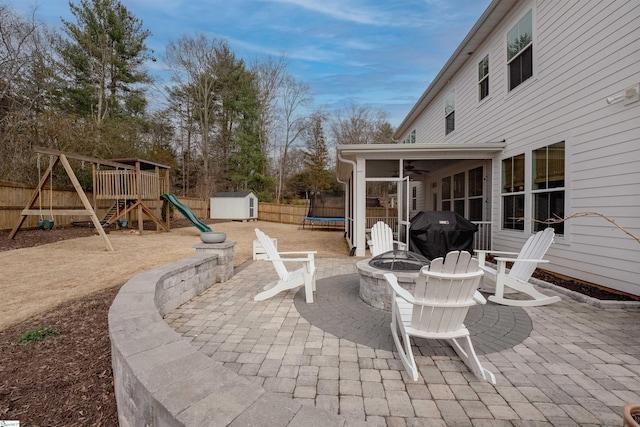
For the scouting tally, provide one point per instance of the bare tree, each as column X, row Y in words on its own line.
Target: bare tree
column 17, row 37
column 357, row 124
column 294, row 96
column 269, row 78
column 191, row 61
column 28, row 81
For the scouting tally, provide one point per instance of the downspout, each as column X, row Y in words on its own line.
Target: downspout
column 353, row 164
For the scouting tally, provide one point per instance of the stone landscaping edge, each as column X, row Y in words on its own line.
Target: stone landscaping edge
column 161, row 380
column 577, row 296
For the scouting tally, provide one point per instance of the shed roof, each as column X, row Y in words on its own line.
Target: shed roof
column 233, row 194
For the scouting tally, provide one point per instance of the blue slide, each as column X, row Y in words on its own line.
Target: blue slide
column 186, row 212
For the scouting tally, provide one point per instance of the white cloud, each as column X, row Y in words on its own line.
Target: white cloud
column 342, row 10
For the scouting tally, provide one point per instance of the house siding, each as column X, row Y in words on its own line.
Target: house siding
column 583, row 52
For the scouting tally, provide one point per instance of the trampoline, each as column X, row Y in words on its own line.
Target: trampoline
column 325, row 211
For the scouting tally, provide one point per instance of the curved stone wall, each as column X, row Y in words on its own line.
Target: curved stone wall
column 160, row 379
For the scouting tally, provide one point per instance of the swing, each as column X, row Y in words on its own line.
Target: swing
column 45, row 224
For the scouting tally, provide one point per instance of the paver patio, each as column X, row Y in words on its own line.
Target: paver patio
column 565, row 364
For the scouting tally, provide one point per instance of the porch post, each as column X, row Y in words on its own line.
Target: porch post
column 360, row 213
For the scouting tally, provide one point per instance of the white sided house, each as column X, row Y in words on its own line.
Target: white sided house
column 536, row 115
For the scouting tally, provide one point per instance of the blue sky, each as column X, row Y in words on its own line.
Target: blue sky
column 378, row 53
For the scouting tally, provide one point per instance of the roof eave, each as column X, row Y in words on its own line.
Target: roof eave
column 494, row 13
column 348, row 153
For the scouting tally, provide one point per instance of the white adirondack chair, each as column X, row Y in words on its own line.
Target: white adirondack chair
column 382, row 239
column 288, row 280
column 444, row 292
column 524, row 264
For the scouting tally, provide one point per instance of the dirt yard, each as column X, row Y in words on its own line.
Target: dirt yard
column 39, row 278
column 68, row 286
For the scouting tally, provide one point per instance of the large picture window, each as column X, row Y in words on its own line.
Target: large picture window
column 513, row 193
column 520, row 51
column 548, row 186
column 450, row 111
column 483, row 78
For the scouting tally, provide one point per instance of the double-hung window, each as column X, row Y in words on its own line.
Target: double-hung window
column 520, row 51
column 475, row 183
column 483, row 78
column 548, row 186
column 546, row 194
column 459, row 193
column 446, row 193
column 513, row 193
column 450, row 111
column 414, row 198
column 411, row 138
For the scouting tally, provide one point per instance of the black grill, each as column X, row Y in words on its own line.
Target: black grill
column 434, row 234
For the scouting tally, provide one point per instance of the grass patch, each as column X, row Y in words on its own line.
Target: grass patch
column 36, row 334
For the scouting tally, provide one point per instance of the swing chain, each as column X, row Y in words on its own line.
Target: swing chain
column 45, row 224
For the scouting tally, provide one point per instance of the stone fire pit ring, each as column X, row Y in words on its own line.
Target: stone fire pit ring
column 373, row 286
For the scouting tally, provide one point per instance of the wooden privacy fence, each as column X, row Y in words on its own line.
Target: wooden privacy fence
column 294, row 214
column 285, row 214
column 14, row 196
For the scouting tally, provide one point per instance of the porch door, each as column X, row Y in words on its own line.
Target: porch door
column 404, row 201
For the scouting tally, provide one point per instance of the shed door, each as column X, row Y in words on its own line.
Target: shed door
column 251, row 208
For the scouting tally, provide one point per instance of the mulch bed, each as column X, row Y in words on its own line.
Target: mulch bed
column 66, row 379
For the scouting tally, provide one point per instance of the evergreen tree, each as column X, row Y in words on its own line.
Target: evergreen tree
column 316, row 157
column 103, row 58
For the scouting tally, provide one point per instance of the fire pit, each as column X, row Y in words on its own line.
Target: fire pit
column 373, row 286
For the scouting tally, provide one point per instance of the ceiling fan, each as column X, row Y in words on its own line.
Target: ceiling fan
column 410, row 168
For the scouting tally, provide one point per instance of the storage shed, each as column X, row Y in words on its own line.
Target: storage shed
column 234, row 205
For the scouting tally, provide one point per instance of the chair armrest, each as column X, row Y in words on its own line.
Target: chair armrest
column 501, row 259
column 482, row 255
column 392, row 280
column 400, row 245
column 290, row 259
column 483, row 251
column 297, row 252
column 479, row 298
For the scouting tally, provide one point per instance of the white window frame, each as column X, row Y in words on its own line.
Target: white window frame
column 534, row 192
column 523, row 192
column 484, row 78
column 531, row 44
column 450, row 109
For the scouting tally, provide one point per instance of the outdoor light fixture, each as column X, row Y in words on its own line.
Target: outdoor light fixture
column 630, row 95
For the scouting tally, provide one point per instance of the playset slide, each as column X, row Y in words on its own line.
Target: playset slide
column 186, row 212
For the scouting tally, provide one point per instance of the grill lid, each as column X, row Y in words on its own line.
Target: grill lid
column 399, row 260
